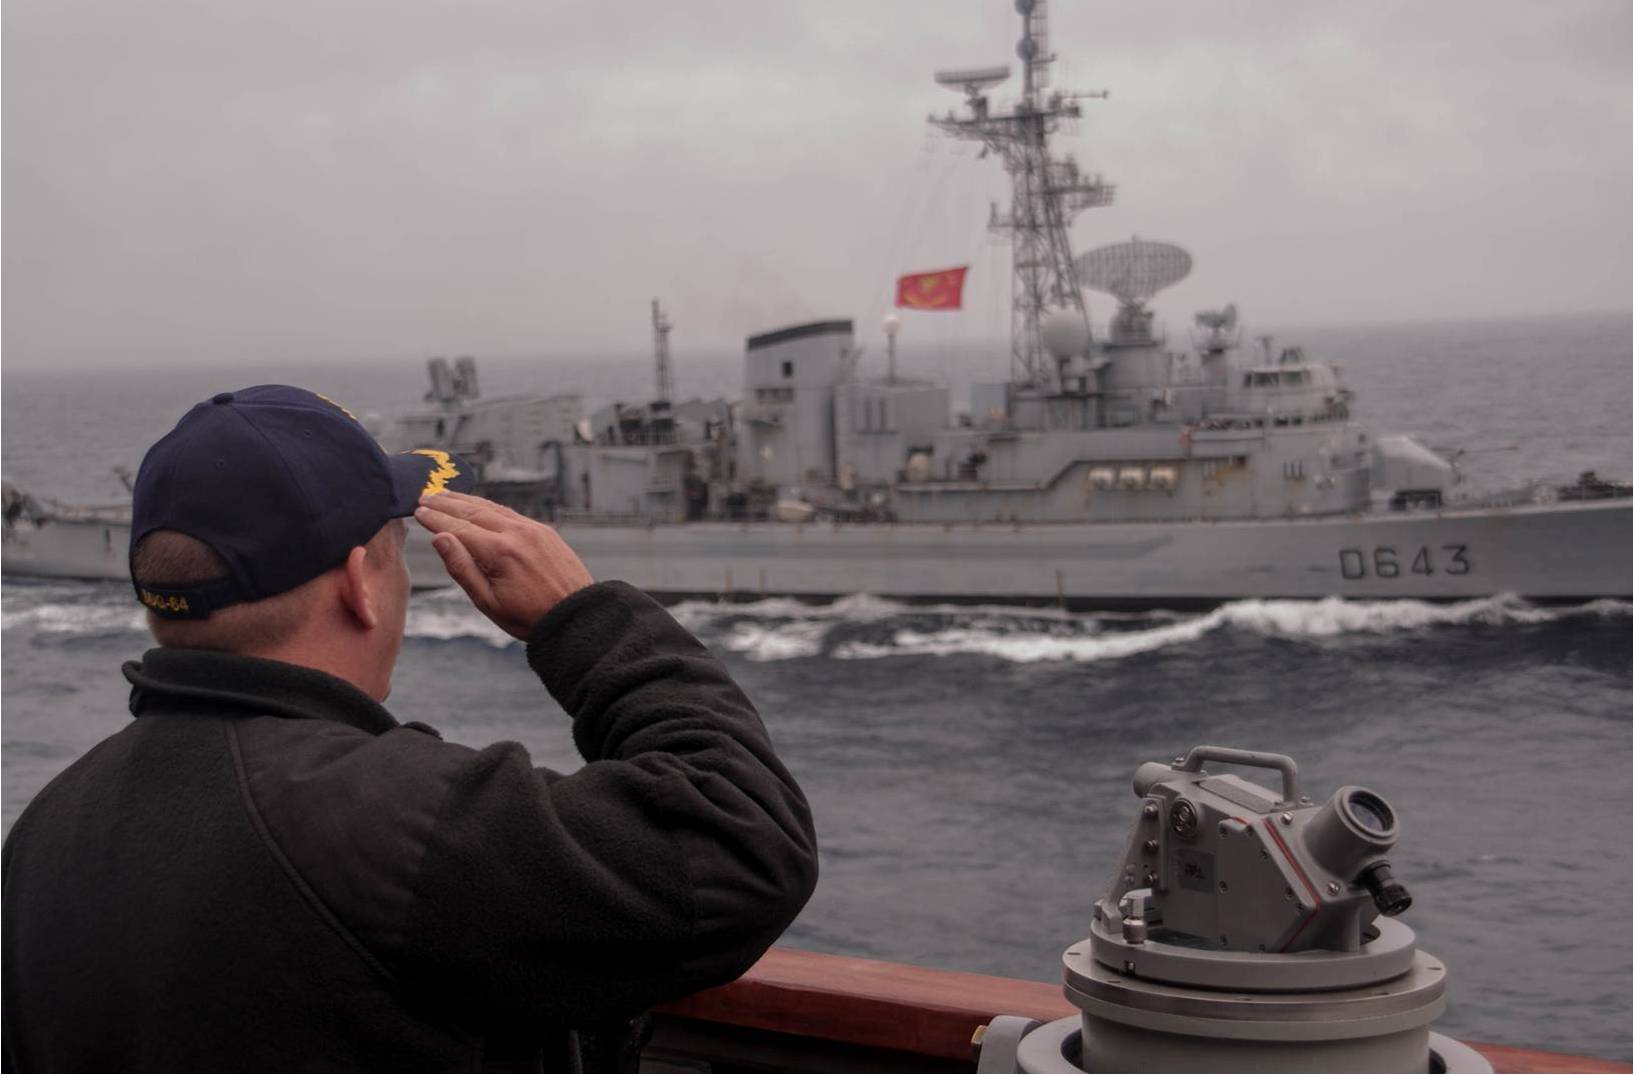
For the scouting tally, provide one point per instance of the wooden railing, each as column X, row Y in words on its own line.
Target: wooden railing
column 798, row 1010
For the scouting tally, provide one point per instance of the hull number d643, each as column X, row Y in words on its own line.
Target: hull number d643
column 1389, row 562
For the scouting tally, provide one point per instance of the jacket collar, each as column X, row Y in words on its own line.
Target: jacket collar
column 169, row 679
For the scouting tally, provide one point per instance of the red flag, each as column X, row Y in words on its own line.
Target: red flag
column 939, row 290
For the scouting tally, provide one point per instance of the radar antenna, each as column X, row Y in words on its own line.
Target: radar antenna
column 1218, row 319
column 1046, row 192
column 660, row 347
column 1132, row 273
column 1217, row 329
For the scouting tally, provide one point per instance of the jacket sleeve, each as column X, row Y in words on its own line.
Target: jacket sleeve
column 668, row 863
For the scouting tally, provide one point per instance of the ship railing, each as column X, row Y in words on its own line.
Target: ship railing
column 84, row 513
column 805, row 1011
column 605, row 518
column 1275, row 420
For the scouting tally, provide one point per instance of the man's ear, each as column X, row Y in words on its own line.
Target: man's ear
column 354, row 591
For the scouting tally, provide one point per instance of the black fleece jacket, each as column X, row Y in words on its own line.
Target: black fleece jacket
column 265, row 870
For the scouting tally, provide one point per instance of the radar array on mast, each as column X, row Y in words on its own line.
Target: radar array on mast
column 1047, row 192
column 1132, row 273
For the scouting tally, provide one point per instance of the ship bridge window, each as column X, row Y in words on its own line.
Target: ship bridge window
column 1274, row 378
column 788, row 369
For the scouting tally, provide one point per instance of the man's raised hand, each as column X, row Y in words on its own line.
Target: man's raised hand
column 513, row 568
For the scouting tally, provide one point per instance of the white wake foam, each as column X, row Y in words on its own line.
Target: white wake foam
column 781, row 629
column 75, row 618
column 1027, row 647
column 1332, row 616
column 761, row 631
column 776, row 642
column 855, row 608
column 443, row 614
column 448, row 625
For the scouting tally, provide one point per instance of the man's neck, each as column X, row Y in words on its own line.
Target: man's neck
column 335, row 657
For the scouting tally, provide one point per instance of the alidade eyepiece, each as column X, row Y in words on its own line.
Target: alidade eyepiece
column 1370, row 813
column 1351, row 832
column 1390, row 896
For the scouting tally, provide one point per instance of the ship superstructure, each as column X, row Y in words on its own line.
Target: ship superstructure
column 1116, row 425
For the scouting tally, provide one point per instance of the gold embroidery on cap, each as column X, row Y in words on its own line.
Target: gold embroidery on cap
column 332, row 403
column 437, row 480
column 164, row 602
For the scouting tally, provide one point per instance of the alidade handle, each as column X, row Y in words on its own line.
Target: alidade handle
column 1193, row 762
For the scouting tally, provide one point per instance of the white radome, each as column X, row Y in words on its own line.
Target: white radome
column 1065, row 334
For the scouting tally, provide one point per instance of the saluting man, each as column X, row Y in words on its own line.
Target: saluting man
column 265, row 870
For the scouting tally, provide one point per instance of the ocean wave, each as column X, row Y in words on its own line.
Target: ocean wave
column 776, row 642
column 75, row 618
column 865, row 627
column 1025, row 647
column 855, row 608
column 764, row 632
column 85, row 610
column 445, row 626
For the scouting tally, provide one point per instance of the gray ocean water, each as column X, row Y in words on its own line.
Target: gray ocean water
column 969, row 767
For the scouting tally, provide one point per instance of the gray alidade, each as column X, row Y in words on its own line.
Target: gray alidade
column 1245, row 929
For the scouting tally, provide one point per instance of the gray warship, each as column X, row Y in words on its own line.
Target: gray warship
column 1114, row 468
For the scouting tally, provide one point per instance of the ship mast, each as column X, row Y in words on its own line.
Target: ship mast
column 1046, row 192
column 660, row 349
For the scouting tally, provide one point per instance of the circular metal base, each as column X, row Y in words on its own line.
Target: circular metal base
column 1257, row 1009
column 1058, row 1047
column 1387, row 956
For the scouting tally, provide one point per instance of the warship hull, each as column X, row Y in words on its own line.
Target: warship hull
column 1556, row 552
column 1547, row 553
column 73, row 548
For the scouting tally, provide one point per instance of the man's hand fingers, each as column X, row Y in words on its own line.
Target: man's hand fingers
column 476, row 536
column 474, row 509
column 463, row 569
column 514, row 568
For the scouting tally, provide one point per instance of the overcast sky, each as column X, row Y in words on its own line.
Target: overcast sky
column 314, row 179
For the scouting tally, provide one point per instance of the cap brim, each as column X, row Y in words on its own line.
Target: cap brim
column 425, row 471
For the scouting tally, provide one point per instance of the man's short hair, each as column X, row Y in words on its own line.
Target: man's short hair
column 174, row 560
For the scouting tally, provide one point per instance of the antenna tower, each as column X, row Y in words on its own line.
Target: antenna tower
column 660, row 350
column 1046, row 192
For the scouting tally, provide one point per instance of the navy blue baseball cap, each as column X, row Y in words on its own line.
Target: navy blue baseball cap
column 282, row 483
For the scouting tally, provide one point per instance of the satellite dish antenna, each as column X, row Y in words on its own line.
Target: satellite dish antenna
column 973, row 80
column 1133, row 272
